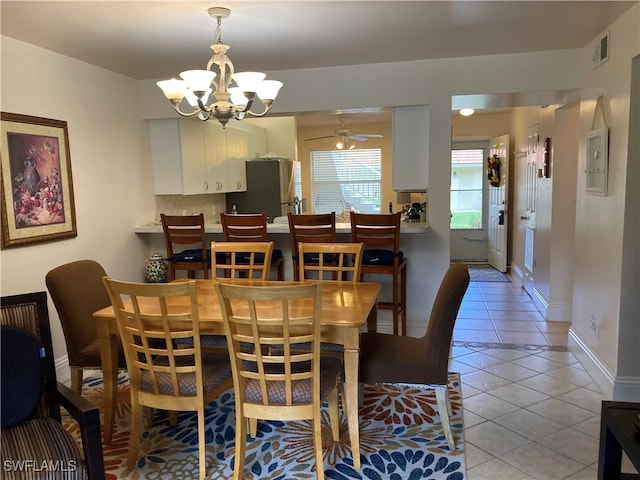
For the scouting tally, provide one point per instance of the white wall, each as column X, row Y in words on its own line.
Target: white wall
column 110, row 164
column 600, row 219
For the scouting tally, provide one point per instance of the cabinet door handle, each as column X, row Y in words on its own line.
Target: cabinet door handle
column 206, row 186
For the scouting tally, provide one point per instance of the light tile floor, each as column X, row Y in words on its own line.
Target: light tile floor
column 531, row 411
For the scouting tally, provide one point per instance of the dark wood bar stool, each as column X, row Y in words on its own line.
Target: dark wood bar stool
column 181, row 231
column 251, row 228
column 381, row 237
column 310, row 228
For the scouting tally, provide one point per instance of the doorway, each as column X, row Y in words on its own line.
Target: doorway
column 469, row 201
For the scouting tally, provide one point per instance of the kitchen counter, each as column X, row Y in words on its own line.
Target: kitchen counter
column 279, row 228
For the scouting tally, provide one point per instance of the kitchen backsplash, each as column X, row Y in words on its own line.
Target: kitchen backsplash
column 211, row 205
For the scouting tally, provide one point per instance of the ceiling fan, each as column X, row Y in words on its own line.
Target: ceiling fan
column 345, row 136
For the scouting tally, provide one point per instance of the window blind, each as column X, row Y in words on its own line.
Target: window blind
column 346, row 179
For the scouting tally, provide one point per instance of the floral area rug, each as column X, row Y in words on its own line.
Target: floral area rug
column 400, row 439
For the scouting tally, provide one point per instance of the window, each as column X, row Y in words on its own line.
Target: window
column 467, row 177
column 346, row 179
column 297, row 180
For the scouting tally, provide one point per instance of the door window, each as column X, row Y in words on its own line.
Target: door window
column 467, row 178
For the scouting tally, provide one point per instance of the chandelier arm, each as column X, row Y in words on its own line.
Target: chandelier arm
column 189, row 114
column 267, row 107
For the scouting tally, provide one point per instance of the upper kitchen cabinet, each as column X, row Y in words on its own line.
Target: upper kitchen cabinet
column 410, row 148
column 194, row 157
column 178, row 155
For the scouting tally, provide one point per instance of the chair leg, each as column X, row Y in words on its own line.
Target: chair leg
column 403, row 300
column 334, row 414
column 253, row 427
column 444, row 407
column 135, row 433
column 201, row 443
column 148, row 415
column 281, row 271
column 395, row 300
column 317, row 444
column 241, row 440
column 296, row 270
column 76, row 380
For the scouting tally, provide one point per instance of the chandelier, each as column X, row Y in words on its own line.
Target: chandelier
column 197, row 86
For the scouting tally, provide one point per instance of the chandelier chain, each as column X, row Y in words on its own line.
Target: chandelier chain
column 219, row 29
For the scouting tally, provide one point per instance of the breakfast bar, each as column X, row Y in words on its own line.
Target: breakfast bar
column 413, row 243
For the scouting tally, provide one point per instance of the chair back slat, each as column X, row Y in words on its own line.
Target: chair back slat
column 242, row 259
column 244, row 227
column 376, row 230
column 330, row 261
column 183, row 230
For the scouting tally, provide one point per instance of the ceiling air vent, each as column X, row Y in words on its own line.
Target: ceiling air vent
column 601, row 51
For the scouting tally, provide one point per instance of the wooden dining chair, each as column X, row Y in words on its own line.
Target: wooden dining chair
column 185, row 241
column 382, row 256
column 309, row 228
column 285, row 385
column 237, row 260
column 163, row 376
column 330, row 261
column 400, row 359
column 241, row 259
column 250, row 228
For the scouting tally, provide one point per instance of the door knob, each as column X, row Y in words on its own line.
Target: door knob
column 524, row 217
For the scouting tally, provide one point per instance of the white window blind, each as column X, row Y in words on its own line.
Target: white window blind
column 346, row 179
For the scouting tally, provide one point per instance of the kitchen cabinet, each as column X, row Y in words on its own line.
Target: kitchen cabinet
column 194, row 157
column 178, row 155
column 409, row 171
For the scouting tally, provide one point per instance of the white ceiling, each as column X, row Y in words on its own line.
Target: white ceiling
column 159, row 39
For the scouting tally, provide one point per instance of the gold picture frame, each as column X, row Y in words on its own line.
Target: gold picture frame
column 36, row 182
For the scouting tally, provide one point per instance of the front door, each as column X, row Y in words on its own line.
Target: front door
column 497, row 221
column 527, row 205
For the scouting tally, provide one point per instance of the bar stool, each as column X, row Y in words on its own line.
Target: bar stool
column 250, row 228
column 381, row 237
column 310, row 228
column 182, row 231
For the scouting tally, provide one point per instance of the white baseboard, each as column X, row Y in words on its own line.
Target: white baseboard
column 559, row 312
column 627, row 389
column 604, row 378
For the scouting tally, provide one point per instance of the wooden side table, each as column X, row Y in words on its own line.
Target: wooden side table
column 618, row 433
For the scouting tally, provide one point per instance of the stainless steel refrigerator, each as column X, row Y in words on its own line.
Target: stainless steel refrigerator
column 269, row 189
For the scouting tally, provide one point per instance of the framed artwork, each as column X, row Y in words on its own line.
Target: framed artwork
column 597, row 161
column 36, row 184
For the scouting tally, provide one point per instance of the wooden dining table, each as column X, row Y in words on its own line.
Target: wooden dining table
column 347, row 307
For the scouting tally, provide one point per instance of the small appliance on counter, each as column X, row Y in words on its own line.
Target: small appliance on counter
column 269, row 188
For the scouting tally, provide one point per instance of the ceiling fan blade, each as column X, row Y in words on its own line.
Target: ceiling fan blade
column 363, row 137
column 321, row 138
